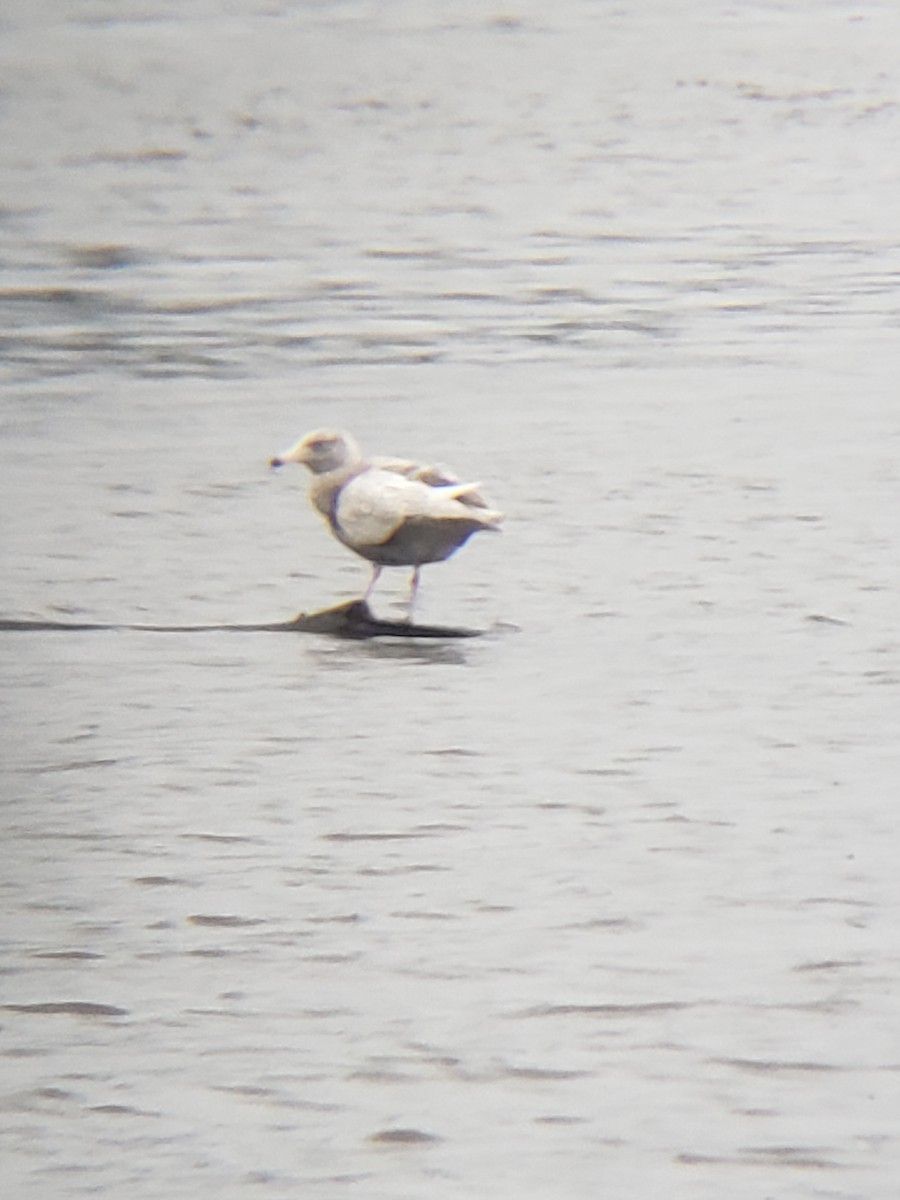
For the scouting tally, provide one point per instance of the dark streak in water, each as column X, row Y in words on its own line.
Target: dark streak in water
column 160, row 881
column 376, row 837
column 778, row 1156
column 120, row 1110
column 540, row 1074
column 403, row 1137
column 68, row 955
column 87, row 764
column 226, row 838
column 74, row 1008
column 606, row 1010
column 228, row 921
column 764, row 1067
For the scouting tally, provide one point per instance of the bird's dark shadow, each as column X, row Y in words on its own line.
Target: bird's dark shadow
column 351, row 621
column 354, row 619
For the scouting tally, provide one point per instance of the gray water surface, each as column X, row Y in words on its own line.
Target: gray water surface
column 603, row 903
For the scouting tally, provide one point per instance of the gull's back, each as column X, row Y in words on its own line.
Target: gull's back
column 392, row 518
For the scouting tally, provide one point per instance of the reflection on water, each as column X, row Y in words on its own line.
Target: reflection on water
column 602, row 901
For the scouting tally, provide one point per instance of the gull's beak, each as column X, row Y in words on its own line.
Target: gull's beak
column 296, row 454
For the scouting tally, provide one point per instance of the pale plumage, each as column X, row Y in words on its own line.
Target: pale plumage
column 393, row 512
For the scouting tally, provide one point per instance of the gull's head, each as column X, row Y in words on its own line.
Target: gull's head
column 322, row 451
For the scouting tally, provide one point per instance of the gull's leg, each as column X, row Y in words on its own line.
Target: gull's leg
column 413, row 592
column 376, row 571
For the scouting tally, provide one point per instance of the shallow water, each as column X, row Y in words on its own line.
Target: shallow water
column 602, row 902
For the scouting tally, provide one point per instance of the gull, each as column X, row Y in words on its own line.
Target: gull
column 393, row 512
